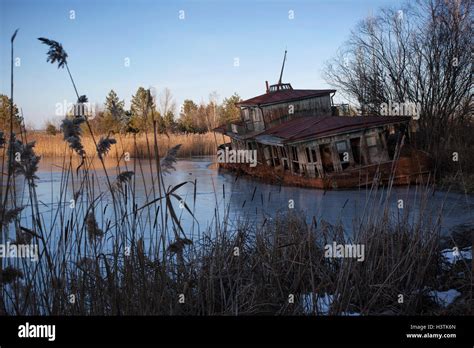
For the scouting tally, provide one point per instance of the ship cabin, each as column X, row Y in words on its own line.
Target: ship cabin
column 298, row 131
column 301, row 137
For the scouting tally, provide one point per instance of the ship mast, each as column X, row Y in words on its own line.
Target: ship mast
column 282, row 67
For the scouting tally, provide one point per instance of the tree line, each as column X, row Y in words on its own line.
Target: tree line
column 147, row 108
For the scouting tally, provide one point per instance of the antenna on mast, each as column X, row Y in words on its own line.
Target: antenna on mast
column 282, row 67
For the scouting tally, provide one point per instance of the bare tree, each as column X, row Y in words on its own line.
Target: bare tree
column 213, row 110
column 166, row 103
column 417, row 54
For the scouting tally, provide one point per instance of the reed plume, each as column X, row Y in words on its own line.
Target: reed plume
column 167, row 162
column 10, row 274
column 10, row 214
column 23, row 160
column 104, row 145
column 93, row 230
column 72, row 132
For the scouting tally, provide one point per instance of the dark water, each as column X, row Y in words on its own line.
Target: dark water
column 254, row 201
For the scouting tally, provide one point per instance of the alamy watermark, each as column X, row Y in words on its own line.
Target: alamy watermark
column 237, row 156
column 355, row 251
column 76, row 109
column 37, row 331
column 395, row 109
column 10, row 250
column 401, row 109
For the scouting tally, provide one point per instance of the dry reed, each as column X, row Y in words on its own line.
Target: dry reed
column 139, row 260
column 191, row 144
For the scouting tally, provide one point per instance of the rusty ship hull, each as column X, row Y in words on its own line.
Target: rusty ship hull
column 406, row 170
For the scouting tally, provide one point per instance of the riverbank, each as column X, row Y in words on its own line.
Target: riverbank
column 204, row 144
column 132, row 241
column 279, row 268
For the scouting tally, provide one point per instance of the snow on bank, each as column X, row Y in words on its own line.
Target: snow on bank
column 445, row 298
column 324, row 302
column 322, row 305
column 350, row 314
column 453, row 255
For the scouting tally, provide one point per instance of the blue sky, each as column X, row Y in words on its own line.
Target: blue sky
column 192, row 57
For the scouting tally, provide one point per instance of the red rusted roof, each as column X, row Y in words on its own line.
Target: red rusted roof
column 321, row 126
column 220, row 129
column 223, row 127
column 285, row 96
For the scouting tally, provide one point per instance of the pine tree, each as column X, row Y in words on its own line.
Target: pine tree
column 230, row 112
column 187, row 122
column 143, row 110
column 114, row 112
column 5, row 104
column 169, row 121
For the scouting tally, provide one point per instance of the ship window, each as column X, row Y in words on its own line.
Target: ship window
column 371, row 141
column 315, row 158
column 311, row 155
column 326, row 158
column 372, row 149
column 308, row 155
column 356, row 151
column 310, row 168
column 276, row 159
column 341, row 146
column 256, row 116
column 246, row 114
column 294, row 159
column 268, row 155
column 342, row 149
column 284, row 158
column 294, row 153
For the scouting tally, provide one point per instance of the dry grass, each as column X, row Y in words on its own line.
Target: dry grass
column 137, row 259
column 191, row 144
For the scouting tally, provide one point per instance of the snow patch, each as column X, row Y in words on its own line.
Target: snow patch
column 323, row 303
column 350, row 314
column 452, row 255
column 445, row 298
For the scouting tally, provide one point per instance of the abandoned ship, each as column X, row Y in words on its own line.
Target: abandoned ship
column 301, row 138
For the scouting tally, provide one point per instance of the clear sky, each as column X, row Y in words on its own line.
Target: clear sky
column 193, row 56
